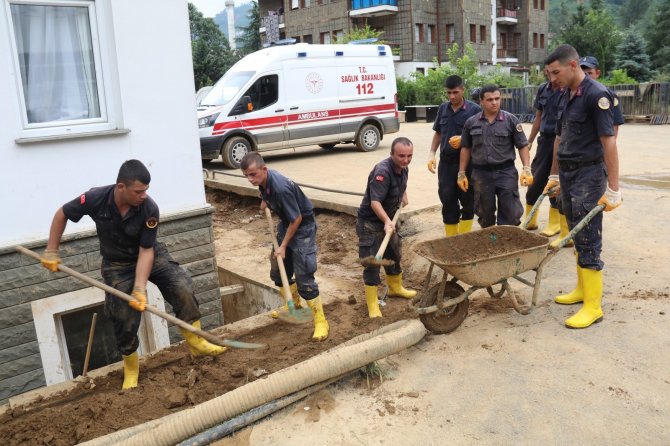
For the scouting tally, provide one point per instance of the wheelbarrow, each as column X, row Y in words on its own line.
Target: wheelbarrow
column 504, row 252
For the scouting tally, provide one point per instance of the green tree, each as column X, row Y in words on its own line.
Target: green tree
column 250, row 40
column 212, row 55
column 593, row 32
column 658, row 37
column 633, row 11
column 632, row 57
column 619, row 77
column 362, row 33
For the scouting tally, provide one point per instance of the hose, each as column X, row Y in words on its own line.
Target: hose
column 342, row 359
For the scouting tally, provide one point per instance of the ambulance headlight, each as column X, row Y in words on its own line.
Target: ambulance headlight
column 207, row 121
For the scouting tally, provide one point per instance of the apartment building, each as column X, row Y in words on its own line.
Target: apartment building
column 506, row 32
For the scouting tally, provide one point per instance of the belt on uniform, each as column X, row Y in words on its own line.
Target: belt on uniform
column 567, row 165
column 450, row 160
column 492, row 167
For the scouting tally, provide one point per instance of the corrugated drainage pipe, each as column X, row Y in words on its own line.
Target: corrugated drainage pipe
column 344, row 358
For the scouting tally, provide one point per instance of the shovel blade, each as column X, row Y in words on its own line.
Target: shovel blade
column 297, row 316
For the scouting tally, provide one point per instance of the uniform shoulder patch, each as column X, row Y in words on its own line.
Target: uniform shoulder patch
column 82, row 199
column 604, row 103
column 152, row 222
column 616, row 101
column 379, row 178
column 519, row 128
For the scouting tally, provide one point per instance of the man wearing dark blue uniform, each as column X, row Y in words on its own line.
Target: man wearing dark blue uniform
column 586, row 170
column 589, row 65
column 126, row 221
column 457, row 206
column 546, row 110
column 489, row 139
column 386, row 192
column 296, row 235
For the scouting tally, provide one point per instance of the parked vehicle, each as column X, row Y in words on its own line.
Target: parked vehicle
column 300, row 95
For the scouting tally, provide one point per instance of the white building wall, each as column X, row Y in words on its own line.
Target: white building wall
column 155, row 93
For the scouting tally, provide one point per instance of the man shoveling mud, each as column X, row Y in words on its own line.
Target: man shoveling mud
column 296, row 235
column 126, row 220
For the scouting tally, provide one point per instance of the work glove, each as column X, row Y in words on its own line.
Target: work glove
column 552, row 183
column 432, row 164
column 526, row 178
column 462, row 181
column 141, row 303
column 455, row 142
column 50, row 260
column 612, row 199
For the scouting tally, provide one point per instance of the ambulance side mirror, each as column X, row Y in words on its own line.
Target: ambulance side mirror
column 243, row 106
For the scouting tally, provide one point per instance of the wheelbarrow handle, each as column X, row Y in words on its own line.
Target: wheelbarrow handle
column 536, row 206
column 579, row 226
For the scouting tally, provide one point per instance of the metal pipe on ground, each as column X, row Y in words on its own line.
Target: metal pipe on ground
column 335, row 362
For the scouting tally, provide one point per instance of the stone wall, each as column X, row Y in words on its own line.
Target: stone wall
column 189, row 239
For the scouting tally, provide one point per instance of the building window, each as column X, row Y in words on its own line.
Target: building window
column 339, row 35
column 542, row 5
column 541, row 40
column 421, row 70
column 534, row 4
column 482, row 33
column 418, row 33
column 295, row 4
column 432, row 38
column 534, row 40
column 473, row 33
column 59, row 55
column 450, row 35
column 307, row 38
column 324, row 38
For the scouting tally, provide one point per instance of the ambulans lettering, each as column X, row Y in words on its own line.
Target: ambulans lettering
column 313, row 115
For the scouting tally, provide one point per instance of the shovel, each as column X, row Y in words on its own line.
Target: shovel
column 128, row 298
column 378, row 260
column 535, row 207
column 293, row 316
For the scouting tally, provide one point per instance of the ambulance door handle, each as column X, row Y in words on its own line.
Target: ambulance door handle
column 279, row 110
column 294, row 108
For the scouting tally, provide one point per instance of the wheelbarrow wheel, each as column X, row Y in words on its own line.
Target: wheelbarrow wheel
column 446, row 320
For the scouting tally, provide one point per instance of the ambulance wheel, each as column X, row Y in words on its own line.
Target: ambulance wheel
column 327, row 146
column 368, row 138
column 234, row 150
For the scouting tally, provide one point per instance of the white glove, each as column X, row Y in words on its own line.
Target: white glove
column 612, row 199
column 552, row 182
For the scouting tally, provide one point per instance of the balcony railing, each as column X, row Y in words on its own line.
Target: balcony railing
column 507, row 53
column 373, row 8
column 502, row 12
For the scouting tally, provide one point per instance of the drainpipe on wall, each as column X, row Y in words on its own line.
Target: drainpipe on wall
column 494, row 35
column 437, row 32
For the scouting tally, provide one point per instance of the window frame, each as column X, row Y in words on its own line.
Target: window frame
column 105, row 76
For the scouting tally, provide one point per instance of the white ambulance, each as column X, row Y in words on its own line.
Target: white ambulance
column 300, row 95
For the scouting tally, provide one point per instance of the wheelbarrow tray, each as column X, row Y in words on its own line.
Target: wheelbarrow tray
column 484, row 258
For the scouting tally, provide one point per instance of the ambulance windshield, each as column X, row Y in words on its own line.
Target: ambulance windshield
column 226, row 88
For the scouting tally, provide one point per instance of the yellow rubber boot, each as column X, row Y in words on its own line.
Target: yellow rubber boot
column 591, row 312
column 575, row 296
column 198, row 346
column 553, row 225
column 320, row 323
column 396, row 289
column 296, row 300
column 131, row 370
column 532, row 224
column 450, row 230
column 373, row 301
column 464, row 226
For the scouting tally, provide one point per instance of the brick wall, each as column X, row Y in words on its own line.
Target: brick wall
column 189, row 239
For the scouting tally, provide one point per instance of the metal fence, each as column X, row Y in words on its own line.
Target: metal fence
column 648, row 101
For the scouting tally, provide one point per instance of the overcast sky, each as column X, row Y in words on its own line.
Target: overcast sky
column 210, row 8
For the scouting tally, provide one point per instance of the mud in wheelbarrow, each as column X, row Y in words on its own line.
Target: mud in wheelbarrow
column 480, row 259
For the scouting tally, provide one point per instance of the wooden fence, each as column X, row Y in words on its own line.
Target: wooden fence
column 649, row 102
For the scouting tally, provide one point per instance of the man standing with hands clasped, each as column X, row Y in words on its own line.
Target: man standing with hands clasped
column 489, row 139
column 586, row 170
column 126, row 221
column 457, row 205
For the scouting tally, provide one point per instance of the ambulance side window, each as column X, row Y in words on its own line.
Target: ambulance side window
column 262, row 93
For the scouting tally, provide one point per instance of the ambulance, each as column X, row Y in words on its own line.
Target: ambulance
column 300, row 95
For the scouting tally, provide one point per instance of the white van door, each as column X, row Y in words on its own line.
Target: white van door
column 262, row 114
column 311, row 96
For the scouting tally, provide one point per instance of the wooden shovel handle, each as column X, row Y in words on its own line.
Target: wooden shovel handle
column 128, row 298
column 286, row 292
column 387, row 237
